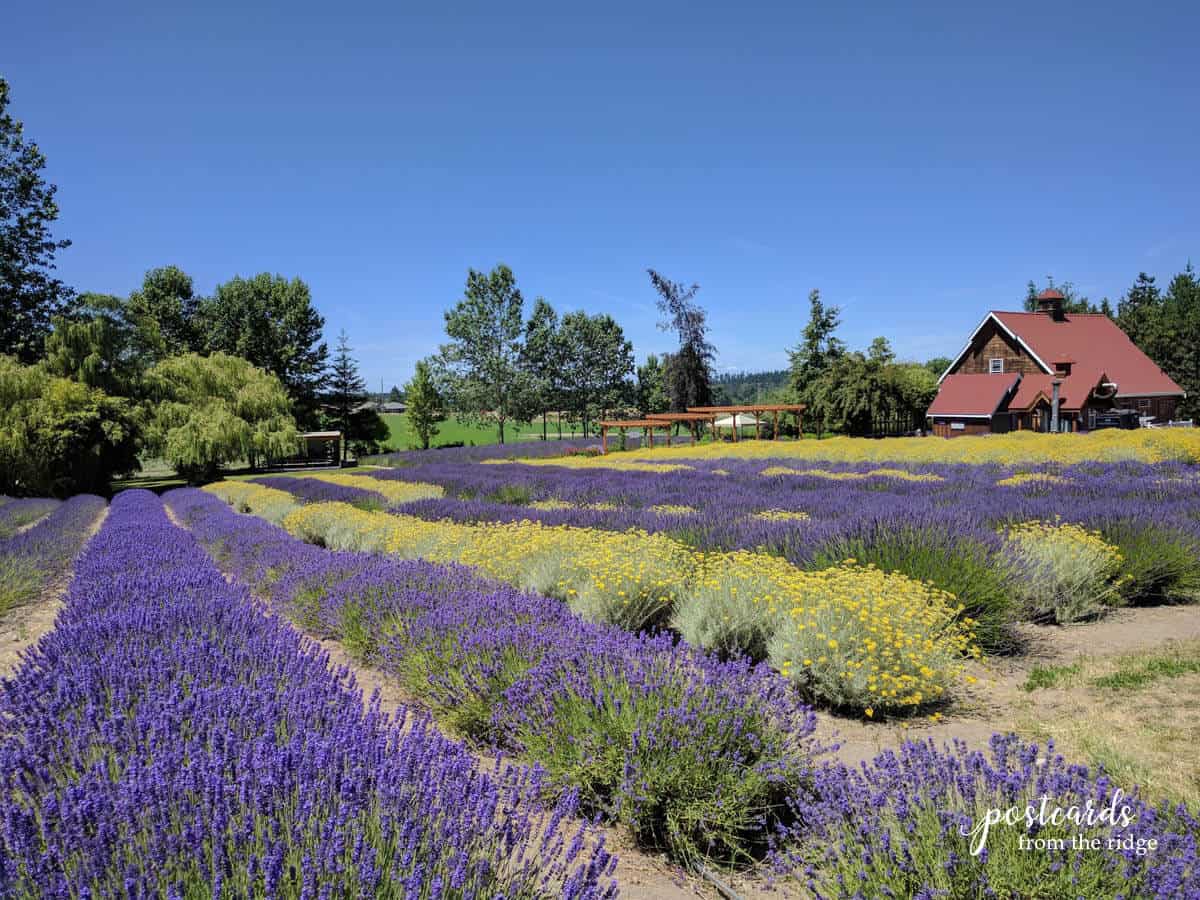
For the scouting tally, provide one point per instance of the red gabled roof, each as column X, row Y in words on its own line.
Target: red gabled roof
column 1072, row 393
column 972, row 396
column 1097, row 343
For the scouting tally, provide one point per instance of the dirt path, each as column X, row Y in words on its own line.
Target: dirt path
column 997, row 701
column 23, row 626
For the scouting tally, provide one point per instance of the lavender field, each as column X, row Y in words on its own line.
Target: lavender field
column 754, row 676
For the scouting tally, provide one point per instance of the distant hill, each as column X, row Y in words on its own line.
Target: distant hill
column 733, row 388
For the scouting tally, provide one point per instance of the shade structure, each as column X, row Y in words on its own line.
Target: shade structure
column 743, row 419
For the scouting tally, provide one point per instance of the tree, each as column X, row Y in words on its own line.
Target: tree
column 542, row 358
column 598, row 363
column 1139, row 312
column 651, row 392
column 60, row 437
column 425, row 405
column 97, row 345
column 271, row 322
column 394, row 395
column 209, row 411
column 482, row 361
column 819, row 349
column 688, row 372
column 30, row 296
column 1177, row 348
column 167, row 312
column 360, row 425
column 938, row 365
column 857, row 390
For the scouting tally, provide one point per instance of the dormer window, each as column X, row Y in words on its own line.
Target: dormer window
column 996, row 366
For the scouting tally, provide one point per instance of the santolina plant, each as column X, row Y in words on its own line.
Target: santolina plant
column 731, row 603
column 696, row 756
column 168, row 739
column 31, row 559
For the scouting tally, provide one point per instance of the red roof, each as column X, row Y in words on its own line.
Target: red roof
column 1072, row 393
column 1051, row 294
column 972, row 396
column 1099, row 345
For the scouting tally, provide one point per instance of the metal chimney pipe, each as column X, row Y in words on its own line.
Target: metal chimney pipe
column 1054, row 386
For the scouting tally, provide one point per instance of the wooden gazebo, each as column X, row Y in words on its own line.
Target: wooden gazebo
column 756, row 410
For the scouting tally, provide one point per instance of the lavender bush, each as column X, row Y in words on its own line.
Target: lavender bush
column 31, row 559
column 905, row 825
column 695, row 755
column 167, row 739
column 314, row 490
column 16, row 514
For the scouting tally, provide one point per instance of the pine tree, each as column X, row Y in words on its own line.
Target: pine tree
column 348, row 391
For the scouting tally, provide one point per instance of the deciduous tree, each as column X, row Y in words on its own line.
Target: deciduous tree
column 425, row 407
column 209, row 411
column 30, row 295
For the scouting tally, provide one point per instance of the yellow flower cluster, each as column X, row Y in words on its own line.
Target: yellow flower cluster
column 395, row 491
column 901, row 474
column 617, row 461
column 1074, row 538
column 551, row 504
column 884, row 639
column 671, row 509
column 1014, row 448
column 781, row 515
column 1034, row 478
column 244, row 496
column 852, row 635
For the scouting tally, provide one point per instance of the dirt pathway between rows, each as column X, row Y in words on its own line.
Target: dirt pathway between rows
column 23, row 626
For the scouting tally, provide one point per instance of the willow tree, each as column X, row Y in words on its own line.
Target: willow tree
column 209, row 411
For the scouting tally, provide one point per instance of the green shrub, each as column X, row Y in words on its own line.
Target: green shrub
column 1070, row 574
column 1159, row 565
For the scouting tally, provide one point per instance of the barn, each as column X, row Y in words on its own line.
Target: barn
column 1048, row 370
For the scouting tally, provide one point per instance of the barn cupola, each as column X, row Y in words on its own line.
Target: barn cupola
column 1050, row 302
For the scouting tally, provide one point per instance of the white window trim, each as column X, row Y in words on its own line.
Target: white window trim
column 996, row 365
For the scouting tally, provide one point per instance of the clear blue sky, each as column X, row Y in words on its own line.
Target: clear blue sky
column 917, row 165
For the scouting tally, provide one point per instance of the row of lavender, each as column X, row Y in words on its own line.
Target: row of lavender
column 695, row 755
column 937, row 523
column 664, row 751
column 16, row 514
column 30, row 559
column 169, row 740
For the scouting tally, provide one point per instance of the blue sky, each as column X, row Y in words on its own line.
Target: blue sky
column 917, row 163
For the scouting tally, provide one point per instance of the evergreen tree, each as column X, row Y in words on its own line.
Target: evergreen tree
column 347, row 392
column 30, row 297
column 425, row 405
column 687, row 373
column 819, row 347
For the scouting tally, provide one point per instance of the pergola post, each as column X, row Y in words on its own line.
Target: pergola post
column 757, row 425
column 775, row 437
column 668, row 435
column 603, row 439
column 734, row 420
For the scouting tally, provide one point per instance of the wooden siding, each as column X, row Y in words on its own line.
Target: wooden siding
column 992, row 343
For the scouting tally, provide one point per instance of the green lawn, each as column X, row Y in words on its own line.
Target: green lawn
column 452, row 431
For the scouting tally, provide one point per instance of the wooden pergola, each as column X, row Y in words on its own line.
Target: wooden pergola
column 666, row 421
column 756, row 410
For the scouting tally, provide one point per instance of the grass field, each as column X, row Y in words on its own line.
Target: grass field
column 452, row 431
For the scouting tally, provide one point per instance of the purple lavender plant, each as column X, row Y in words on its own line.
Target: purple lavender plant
column 168, row 739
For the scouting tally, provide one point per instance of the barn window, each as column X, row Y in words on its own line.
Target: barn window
column 996, row 365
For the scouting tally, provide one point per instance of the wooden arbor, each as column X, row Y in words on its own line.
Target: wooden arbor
column 755, row 409
column 665, row 421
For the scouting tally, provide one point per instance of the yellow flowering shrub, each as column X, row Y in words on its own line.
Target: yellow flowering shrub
column 671, row 509
column 551, row 504
column 896, row 642
column 1031, row 478
column 781, row 515
column 1068, row 572
column 244, row 496
column 901, row 474
column 850, row 635
column 394, row 491
column 1014, row 448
